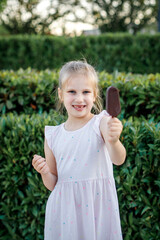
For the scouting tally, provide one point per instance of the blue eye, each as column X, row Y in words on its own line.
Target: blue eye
column 72, row 91
column 85, row 92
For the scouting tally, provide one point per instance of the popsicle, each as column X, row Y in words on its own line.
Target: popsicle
column 113, row 105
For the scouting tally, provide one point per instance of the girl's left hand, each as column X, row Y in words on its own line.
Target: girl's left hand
column 115, row 128
column 111, row 129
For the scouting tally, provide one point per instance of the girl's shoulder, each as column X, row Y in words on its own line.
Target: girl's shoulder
column 49, row 128
column 97, row 119
column 50, row 132
column 99, row 116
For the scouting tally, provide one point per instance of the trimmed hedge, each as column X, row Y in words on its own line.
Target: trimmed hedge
column 29, row 91
column 123, row 52
column 24, row 196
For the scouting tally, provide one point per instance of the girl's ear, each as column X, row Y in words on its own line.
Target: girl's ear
column 60, row 94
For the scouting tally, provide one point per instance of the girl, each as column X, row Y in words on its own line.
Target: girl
column 77, row 168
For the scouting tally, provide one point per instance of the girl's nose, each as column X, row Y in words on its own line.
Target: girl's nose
column 79, row 98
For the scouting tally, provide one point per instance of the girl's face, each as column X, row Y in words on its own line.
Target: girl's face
column 77, row 96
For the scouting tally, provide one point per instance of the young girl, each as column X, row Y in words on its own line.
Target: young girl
column 77, row 168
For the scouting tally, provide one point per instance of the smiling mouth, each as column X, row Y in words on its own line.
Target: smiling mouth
column 79, row 107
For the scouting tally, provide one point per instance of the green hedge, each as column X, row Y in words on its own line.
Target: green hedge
column 24, row 197
column 123, row 52
column 29, row 91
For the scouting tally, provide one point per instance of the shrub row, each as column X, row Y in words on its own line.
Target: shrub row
column 29, row 91
column 123, row 52
column 24, row 197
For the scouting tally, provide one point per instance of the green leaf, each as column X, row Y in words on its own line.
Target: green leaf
column 145, row 209
column 9, row 104
column 35, row 211
column 131, row 218
column 20, row 100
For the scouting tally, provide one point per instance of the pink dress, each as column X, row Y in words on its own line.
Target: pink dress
column 83, row 204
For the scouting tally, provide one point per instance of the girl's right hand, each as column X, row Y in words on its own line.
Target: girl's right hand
column 40, row 165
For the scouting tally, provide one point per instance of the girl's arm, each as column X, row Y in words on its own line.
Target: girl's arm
column 46, row 167
column 111, row 129
column 49, row 180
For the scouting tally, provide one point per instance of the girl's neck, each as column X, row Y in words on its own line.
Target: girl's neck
column 73, row 124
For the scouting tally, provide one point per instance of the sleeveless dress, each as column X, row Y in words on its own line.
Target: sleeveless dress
column 84, row 203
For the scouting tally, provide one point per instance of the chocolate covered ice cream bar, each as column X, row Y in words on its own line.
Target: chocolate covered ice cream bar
column 113, row 105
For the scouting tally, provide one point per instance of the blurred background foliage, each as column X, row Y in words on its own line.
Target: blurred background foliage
column 119, row 51
column 24, row 17
column 21, row 16
column 2, row 5
column 122, row 16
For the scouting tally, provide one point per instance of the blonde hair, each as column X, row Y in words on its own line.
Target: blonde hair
column 81, row 67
